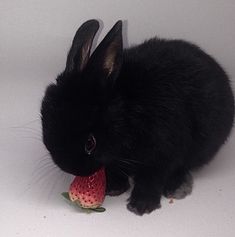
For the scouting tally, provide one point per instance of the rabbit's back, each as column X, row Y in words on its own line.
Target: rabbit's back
column 174, row 85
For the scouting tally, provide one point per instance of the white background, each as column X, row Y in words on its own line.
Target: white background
column 34, row 39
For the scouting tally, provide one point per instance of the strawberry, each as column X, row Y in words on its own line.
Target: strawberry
column 88, row 192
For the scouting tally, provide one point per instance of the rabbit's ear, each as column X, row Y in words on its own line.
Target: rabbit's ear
column 80, row 50
column 106, row 60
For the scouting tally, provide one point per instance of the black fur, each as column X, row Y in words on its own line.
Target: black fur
column 156, row 110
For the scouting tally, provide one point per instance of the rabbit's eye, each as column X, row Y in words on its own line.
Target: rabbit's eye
column 90, row 144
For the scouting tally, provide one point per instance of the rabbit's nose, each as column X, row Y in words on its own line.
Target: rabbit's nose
column 90, row 144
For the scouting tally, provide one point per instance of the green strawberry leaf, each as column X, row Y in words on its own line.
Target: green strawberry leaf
column 99, row 209
column 66, row 195
column 76, row 203
column 87, row 210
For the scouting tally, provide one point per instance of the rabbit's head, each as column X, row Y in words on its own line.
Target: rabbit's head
column 74, row 111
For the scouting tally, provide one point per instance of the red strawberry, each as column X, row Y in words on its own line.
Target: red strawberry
column 88, row 192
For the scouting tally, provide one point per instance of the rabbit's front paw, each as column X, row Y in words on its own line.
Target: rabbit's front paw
column 143, row 205
column 117, row 186
column 115, row 191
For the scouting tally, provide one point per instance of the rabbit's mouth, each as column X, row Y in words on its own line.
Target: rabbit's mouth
column 73, row 167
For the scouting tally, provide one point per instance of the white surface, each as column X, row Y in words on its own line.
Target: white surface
column 34, row 39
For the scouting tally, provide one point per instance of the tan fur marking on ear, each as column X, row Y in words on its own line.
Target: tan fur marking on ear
column 110, row 58
column 85, row 56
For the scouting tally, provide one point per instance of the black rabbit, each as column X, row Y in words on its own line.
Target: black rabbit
column 152, row 112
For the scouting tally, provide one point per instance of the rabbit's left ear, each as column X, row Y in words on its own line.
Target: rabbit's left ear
column 106, row 60
column 80, row 50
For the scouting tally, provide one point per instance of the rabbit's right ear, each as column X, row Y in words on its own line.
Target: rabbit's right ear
column 80, row 50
